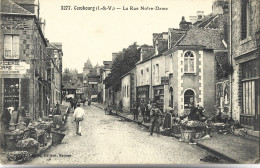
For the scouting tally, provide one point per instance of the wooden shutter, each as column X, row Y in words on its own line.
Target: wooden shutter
column 25, row 92
column 243, row 19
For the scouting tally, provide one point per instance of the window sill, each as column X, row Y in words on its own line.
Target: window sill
column 190, row 73
column 246, row 40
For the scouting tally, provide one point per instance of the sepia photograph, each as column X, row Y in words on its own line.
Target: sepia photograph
column 129, row 82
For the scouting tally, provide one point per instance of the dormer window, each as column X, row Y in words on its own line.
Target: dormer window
column 189, row 62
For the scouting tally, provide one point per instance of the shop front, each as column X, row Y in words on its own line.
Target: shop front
column 12, row 75
column 159, row 96
column 142, row 94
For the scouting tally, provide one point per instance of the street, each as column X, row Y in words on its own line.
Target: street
column 108, row 139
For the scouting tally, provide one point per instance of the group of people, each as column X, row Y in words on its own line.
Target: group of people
column 18, row 116
column 159, row 118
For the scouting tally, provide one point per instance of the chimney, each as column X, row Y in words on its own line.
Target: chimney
column 200, row 15
column 184, row 25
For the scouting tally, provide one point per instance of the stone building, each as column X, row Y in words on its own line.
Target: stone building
column 244, row 53
column 128, row 90
column 191, row 76
column 23, row 77
column 54, row 73
column 104, row 72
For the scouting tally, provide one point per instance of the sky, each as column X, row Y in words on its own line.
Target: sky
column 97, row 34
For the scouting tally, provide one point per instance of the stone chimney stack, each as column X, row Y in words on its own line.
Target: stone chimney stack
column 184, row 25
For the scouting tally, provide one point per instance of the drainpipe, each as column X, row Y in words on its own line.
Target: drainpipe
column 151, row 80
column 231, row 58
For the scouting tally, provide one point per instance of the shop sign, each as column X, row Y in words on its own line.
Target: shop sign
column 165, row 80
column 144, row 88
column 13, row 67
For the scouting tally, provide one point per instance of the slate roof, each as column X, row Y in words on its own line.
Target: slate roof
column 68, row 86
column 210, row 38
column 8, row 6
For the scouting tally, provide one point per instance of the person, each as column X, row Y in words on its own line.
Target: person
column 72, row 104
column 75, row 103
column 21, row 114
column 196, row 113
column 121, row 105
column 155, row 113
column 5, row 118
column 56, row 110
column 148, row 108
column 136, row 111
column 89, row 102
column 57, row 119
column 142, row 108
column 168, row 118
column 78, row 116
column 83, row 100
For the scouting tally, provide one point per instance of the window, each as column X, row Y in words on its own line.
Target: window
column 188, row 99
column 189, row 62
column 127, row 91
column 244, row 19
column 11, row 93
column 250, row 80
column 11, row 47
column 157, row 72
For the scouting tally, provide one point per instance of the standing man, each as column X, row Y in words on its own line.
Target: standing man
column 155, row 113
column 78, row 115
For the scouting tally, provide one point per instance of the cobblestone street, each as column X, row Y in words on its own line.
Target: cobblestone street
column 109, row 139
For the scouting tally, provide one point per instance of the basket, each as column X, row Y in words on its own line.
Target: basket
column 57, row 137
column 31, row 150
column 176, row 129
column 187, row 135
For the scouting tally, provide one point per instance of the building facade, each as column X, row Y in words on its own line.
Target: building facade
column 54, row 73
column 244, row 53
column 23, row 77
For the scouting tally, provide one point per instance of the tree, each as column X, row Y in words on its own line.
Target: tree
column 123, row 64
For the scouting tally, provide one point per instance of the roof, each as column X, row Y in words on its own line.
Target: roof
column 127, row 73
column 210, row 38
column 213, row 21
column 8, row 6
column 68, row 86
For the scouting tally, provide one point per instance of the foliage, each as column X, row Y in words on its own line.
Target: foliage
column 68, row 74
column 121, row 65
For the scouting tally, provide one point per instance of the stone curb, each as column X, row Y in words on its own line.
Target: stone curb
column 225, row 157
